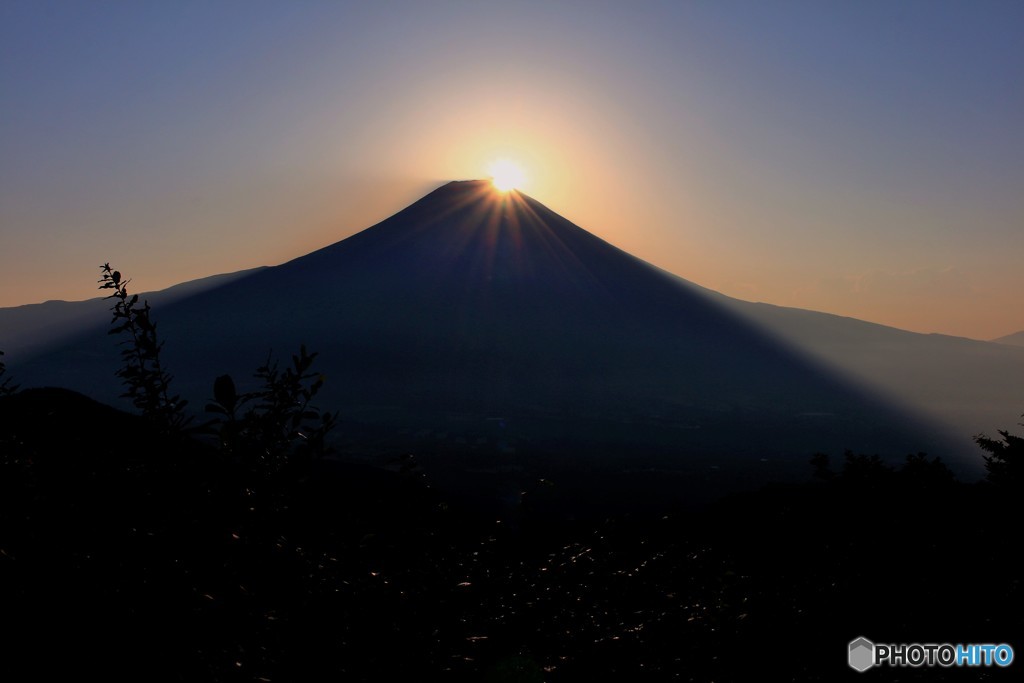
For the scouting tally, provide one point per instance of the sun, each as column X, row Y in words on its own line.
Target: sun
column 506, row 175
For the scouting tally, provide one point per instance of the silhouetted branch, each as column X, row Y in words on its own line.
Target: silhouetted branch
column 6, row 387
column 147, row 383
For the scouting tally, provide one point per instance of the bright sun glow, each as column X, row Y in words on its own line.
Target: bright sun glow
column 506, row 175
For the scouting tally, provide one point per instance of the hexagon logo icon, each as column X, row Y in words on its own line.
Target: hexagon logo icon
column 862, row 654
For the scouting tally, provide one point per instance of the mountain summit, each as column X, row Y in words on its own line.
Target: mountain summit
column 477, row 303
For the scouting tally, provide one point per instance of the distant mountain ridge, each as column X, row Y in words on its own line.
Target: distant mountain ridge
column 474, row 303
column 968, row 386
column 1015, row 339
column 30, row 329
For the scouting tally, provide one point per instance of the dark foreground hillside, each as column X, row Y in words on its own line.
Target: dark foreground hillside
column 127, row 556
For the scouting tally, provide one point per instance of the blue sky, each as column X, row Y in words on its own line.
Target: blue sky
column 863, row 158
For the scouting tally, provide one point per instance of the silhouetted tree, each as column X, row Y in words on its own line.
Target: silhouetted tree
column 147, row 383
column 6, row 387
column 859, row 469
column 920, row 470
column 867, row 469
column 281, row 426
column 822, row 469
column 1005, row 464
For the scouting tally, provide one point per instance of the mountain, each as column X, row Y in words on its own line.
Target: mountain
column 470, row 305
column 968, row 386
column 1015, row 339
column 33, row 328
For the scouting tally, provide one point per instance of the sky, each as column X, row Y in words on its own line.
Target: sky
column 859, row 158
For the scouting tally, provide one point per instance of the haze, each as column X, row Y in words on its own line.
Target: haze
column 863, row 159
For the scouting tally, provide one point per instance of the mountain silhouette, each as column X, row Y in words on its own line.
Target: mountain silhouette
column 34, row 328
column 1015, row 339
column 479, row 304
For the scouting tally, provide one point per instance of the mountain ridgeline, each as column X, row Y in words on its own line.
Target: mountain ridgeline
column 472, row 304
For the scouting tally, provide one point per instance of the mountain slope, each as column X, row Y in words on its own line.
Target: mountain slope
column 478, row 304
column 1015, row 339
column 31, row 329
column 968, row 385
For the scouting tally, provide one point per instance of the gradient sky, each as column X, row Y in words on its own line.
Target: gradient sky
column 861, row 158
